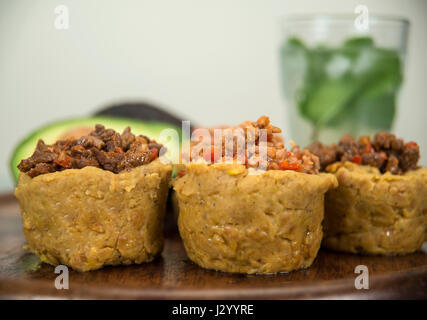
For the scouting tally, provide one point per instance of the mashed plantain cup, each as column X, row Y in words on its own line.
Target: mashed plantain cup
column 380, row 205
column 94, row 201
column 376, row 213
column 235, row 221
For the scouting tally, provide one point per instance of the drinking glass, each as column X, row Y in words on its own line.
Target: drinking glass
column 339, row 79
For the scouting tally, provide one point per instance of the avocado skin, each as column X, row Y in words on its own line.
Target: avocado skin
column 142, row 111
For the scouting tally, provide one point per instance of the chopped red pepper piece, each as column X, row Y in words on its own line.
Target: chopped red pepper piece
column 65, row 163
column 357, row 159
column 285, row 165
column 154, row 153
column 412, row 145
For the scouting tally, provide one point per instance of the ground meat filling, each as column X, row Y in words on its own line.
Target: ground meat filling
column 385, row 152
column 102, row 148
column 278, row 157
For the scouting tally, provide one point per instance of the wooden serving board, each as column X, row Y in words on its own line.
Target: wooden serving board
column 173, row 276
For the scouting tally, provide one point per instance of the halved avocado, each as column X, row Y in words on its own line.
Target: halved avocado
column 80, row 126
column 141, row 110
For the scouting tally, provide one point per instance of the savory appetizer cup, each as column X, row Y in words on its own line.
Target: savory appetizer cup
column 235, row 221
column 380, row 205
column 94, row 201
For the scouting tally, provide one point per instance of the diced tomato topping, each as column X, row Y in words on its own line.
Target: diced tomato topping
column 181, row 173
column 154, row 153
column 285, row 165
column 357, row 159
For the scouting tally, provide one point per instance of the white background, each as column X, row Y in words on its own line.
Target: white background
column 212, row 61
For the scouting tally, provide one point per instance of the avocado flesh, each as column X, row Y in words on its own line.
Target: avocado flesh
column 57, row 130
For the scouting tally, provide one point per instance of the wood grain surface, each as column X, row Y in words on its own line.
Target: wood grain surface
column 173, row 276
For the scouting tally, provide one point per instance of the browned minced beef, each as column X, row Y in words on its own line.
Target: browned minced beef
column 385, row 152
column 102, row 148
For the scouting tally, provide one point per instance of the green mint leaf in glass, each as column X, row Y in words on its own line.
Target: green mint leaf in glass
column 354, row 85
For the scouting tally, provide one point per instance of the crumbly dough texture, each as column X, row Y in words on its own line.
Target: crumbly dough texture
column 376, row 213
column 87, row 218
column 242, row 223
